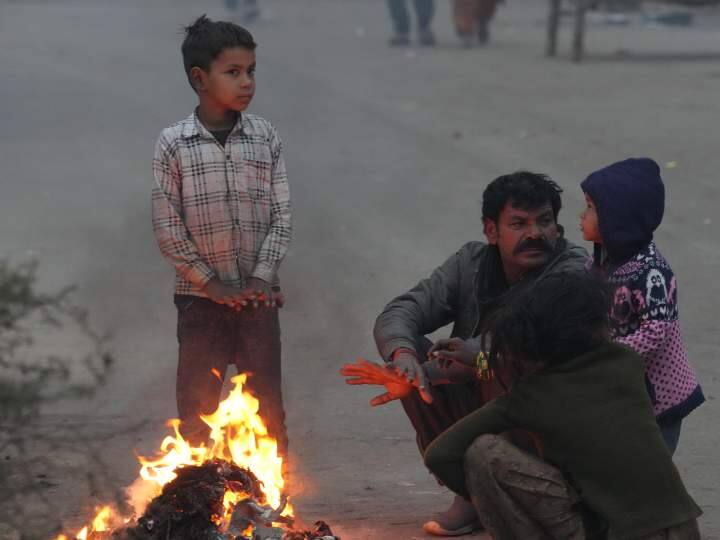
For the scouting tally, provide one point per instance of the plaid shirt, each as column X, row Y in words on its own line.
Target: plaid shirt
column 221, row 212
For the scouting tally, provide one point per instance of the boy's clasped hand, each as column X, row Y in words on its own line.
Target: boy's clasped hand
column 257, row 293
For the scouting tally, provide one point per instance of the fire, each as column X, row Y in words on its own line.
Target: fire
column 238, row 435
column 101, row 522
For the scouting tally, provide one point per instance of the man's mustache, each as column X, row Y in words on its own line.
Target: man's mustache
column 532, row 245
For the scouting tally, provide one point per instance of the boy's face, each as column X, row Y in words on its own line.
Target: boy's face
column 230, row 82
column 589, row 222
column 525, row 238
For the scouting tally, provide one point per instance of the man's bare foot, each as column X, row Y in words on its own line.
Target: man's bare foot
column 458, row 520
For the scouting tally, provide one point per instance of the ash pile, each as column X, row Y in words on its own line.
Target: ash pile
column 188, row 507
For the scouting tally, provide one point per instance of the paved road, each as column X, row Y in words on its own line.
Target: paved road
column 388, row 152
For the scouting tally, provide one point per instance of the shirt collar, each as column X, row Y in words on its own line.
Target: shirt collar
column 193, row 127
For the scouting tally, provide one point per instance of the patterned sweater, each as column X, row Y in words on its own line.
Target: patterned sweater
column 645, row 317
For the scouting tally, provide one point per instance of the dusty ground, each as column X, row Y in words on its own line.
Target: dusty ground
column 388, row 152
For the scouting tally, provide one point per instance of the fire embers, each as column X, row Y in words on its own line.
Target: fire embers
column 321, row 531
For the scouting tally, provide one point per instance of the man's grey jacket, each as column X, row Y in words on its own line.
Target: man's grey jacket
column 462, row 291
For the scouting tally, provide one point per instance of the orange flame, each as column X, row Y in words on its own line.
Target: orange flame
column 238, row 435
column 101, row 523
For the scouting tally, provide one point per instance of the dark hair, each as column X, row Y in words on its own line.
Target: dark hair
column 550, row 321
column 522, row 189
column 206, row 39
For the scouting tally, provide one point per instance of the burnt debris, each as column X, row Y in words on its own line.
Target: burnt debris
column 188, row 506
column 321, row 531
column 191, row 506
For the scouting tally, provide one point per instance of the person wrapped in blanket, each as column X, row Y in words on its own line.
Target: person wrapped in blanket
column 602, row 469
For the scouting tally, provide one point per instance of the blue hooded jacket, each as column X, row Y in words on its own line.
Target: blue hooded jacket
column 630, row 200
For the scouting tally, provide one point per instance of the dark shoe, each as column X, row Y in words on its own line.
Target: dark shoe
column 427, row 38
column 483, row 35
column 457, row 520
column 399, row 40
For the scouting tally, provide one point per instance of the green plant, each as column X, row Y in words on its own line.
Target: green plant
column 49, row 354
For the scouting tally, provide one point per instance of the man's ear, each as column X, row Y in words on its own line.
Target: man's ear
column 198, row 78
column 491, row 231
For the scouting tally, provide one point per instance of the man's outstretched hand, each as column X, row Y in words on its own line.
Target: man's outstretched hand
column 397, row 386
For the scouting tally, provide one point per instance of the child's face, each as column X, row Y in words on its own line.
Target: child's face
column 230, row 83
column 589, row 222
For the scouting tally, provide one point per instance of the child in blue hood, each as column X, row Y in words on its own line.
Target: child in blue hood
column 625, row 204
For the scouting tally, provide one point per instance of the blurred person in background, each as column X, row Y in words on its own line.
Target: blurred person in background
column 424, row 11
column 472, row 20
column 250, row 9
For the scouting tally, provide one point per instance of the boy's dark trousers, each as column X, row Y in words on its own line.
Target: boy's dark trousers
column 212, row 336
column 424, row 9
column 518, row 495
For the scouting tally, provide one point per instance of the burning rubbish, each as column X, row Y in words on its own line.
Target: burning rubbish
column 231, row 490
column 191, row 506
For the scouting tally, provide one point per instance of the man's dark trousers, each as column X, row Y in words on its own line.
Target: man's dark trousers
column 424, row 9
column 451, row 402
column 213, row 336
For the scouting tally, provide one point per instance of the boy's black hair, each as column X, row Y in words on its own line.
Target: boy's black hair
column 522, row 189
column 206, row 39
column 550, row 321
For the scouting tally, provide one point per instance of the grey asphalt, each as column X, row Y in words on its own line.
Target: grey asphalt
column 388, row 153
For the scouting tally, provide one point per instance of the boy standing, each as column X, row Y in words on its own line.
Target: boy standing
column 221, row 216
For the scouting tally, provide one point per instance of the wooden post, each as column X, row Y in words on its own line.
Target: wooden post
column 552, row 28
column 579, row 35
